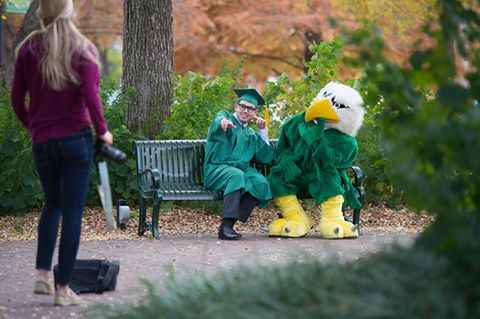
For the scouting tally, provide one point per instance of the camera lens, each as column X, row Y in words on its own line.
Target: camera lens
column 109, row 152
column 118, row 156
column 113, row 154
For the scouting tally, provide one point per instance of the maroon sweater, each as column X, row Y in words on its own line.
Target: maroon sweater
column 55, row 114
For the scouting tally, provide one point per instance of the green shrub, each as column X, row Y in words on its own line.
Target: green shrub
column 430, row 127
column 19, row 185
column 399, row 283
column 290, row 96
column 196, row 101
column 374, row 156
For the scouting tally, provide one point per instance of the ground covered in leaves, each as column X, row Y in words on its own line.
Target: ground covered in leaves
column 181, row 221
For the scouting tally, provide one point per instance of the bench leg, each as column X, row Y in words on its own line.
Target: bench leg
column 356, row 219
column 142, row 216
column 360, row 194
column 157, row 202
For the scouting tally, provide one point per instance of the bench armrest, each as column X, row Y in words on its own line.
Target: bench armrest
column 357, row 182
column 358, row 176
column 149, row 180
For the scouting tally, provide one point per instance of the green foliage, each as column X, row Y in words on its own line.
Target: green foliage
column 196, row 100
column 385, row 285
column 430, row 126
column 115, row 64
column 375, row 163
column 19, row 185
column 375, row 156
column 293, row 96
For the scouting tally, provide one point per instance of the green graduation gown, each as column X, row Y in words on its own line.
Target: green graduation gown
column 228, row 155
column 311, row 159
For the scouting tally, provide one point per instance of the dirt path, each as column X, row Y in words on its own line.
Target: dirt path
column 150, row 258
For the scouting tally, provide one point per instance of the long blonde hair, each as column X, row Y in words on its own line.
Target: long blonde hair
column 61, row 39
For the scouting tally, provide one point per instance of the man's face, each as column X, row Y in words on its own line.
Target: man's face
column 245, row 111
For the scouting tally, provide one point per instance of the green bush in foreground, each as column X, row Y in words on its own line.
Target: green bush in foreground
column 399, row 283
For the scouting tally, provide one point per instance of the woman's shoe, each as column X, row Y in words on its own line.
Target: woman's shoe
column 42, row 287
column 71, row 299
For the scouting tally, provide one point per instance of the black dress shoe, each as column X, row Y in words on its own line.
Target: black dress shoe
column 228, row 233
column 226, row 230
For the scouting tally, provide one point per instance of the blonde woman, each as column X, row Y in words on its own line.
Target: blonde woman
column 59, row 69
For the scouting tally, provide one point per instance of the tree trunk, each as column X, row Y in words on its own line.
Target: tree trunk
column 103, row 56
column 148, row 63
column 29, row 24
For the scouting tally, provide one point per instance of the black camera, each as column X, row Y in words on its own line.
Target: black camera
column 108, row 152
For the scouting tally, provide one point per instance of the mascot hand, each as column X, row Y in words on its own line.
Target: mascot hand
column 311, row 134
column 321, row 122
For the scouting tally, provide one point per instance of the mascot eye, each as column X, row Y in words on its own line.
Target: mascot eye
column 339, row 105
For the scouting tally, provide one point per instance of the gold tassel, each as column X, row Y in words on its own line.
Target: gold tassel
column 266, row 116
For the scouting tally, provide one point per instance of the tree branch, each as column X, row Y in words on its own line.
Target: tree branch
column 264, row 56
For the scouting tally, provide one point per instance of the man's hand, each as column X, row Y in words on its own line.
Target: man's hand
column 261, row 123
column 226, row 123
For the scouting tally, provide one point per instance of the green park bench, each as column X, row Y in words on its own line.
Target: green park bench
column 172, row 170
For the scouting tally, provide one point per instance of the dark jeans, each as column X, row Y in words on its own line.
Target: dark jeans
column 64, row 168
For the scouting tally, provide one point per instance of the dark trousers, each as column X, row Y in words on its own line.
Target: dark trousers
column 63, row 166
column 238, row 206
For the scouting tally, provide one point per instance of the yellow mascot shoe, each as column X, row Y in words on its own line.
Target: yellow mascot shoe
column 276, row 227
column 295, row 229
column 330, row 230
column 349, row 230
column 332, row 224
column 297, row 222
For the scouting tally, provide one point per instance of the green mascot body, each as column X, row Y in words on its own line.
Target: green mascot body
column 314, row 150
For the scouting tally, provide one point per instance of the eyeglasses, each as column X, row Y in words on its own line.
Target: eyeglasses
column 248, row 108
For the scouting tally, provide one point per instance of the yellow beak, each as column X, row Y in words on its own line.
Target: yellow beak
column 321, row 108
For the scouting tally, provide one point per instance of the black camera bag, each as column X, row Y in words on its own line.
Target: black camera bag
column 92, row 275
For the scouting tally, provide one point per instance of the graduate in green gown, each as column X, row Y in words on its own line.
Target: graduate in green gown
column 231, row 145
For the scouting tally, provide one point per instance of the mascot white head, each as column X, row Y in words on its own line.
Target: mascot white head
column 341, row 105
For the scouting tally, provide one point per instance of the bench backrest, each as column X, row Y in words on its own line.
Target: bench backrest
column 179, row 162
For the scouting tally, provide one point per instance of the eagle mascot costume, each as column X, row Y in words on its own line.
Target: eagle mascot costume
column 314, row 150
